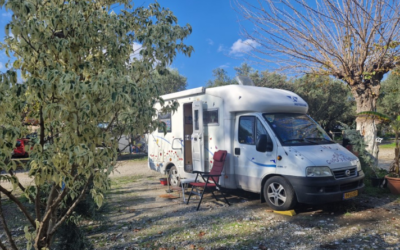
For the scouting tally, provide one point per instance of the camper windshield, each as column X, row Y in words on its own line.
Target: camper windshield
column 297, row 130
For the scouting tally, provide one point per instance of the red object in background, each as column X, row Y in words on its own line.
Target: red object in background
column 163, row 181
column 19, row 151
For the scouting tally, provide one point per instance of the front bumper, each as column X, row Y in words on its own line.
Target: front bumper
column 314, row 190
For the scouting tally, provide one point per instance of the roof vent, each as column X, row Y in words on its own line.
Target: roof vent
column 244, row 80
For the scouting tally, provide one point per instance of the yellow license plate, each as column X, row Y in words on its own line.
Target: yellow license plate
column 350, row 194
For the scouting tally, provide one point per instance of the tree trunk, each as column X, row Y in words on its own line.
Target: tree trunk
column 366, row 96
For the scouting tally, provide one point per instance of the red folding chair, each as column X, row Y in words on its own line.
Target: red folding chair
column 210, row 179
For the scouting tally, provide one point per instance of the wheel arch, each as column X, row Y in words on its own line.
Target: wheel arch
column 264, row 180
column 168, row 167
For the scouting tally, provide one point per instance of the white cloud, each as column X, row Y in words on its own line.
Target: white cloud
column 6, row 14
column 221, row 48
column 209, row 41
column 224, row 66
column 241, row 47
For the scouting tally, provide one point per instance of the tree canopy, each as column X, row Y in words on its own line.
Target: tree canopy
column 329, row 100
column 169, row 82
column 82, row 64
column 390, row 95
column 355, row 41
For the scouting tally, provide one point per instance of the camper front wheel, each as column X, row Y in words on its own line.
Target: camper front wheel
column 174, row 177
column 279, row 194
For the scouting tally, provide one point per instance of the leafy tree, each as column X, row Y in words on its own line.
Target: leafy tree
column 355, row 41
column 170, row 81
column 273, row 80
column 244, row 70
column 80, row 68
column 329, row 101
column 221, row 78
column 390, row 95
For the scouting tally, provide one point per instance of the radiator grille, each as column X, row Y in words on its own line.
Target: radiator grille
column 345, row 173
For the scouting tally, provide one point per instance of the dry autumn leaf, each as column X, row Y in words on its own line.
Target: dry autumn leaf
column 201, row 234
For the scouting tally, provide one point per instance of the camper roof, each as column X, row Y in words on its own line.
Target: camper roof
column 239, row 98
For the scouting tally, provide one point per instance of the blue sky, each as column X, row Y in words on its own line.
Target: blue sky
column 216, row 37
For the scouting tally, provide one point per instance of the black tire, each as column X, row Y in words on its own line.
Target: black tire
column 174, row 179
column 279, row 194
column 26, row 155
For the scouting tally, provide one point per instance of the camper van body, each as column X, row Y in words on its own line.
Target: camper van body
column 232, row 118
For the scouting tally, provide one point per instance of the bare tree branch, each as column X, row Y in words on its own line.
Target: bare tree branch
column 71, row 208
column 19, row 204
column 340, row 38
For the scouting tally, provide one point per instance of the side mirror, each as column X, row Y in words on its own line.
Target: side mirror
column 264, row 144
column 177, row 144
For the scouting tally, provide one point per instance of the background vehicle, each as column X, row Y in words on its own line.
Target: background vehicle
column 20, row 151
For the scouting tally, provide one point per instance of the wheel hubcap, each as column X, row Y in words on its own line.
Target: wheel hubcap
column 174, row 178
column 276, row 194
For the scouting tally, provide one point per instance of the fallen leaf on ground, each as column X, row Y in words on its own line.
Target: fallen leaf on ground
column 136, row 230
column 201, row 234
column 192, row 246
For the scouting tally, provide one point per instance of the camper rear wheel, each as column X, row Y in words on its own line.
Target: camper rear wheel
column 174, row 179
column 279, row 194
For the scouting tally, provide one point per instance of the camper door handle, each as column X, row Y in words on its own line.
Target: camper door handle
column 237, row 151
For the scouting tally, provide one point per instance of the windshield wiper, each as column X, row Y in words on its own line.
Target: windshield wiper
column 300, row 140
column 319, row 139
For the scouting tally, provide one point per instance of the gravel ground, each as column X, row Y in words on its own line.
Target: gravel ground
column 139, row 217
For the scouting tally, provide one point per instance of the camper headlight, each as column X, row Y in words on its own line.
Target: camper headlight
column 358, row 166
column 318, row 171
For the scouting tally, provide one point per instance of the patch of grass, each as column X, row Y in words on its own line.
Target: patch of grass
column 391, row 145
column 347, row 214
column 121, row 181
column 133, row 157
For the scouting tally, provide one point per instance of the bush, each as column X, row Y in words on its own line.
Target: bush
column 357, row 141
column 70, row 236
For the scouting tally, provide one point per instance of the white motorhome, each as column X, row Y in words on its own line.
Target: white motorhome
column 274, row 147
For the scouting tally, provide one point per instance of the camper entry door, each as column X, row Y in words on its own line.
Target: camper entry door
column 198, row 137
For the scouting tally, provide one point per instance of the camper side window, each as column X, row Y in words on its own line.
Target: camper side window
column 166, row 119
column 246, row 130
column 250, row 128
column 210, row 117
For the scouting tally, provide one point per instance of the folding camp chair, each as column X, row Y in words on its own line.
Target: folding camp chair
column 210, row 179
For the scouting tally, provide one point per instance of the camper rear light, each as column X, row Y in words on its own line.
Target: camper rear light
column 318, row 172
